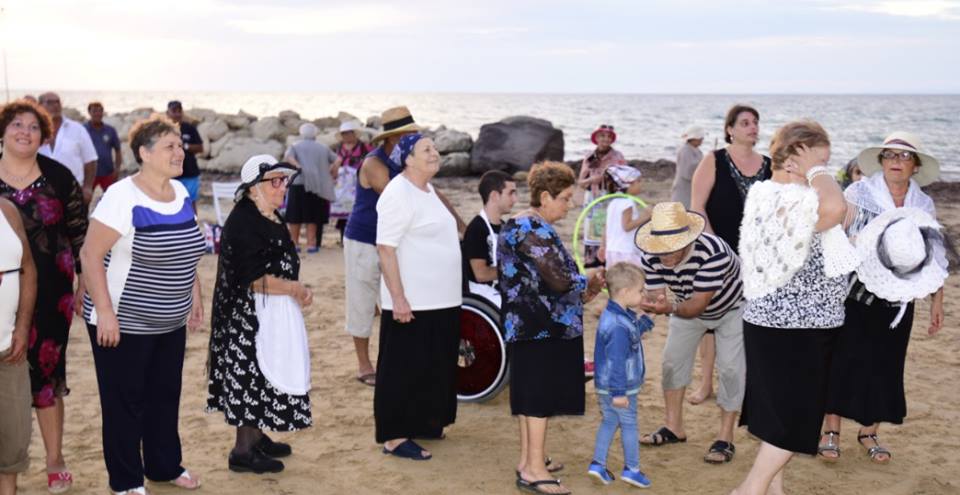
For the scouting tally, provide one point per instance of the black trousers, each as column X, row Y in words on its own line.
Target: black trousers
column 139, row 382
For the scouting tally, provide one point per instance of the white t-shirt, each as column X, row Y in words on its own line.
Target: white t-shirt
column 73, row 148
column 11, row 252
column 424, row 233
column 619, row 240
column 152, row 266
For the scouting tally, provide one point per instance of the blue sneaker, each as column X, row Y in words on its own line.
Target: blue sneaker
column 635, row 478
column 600, row 472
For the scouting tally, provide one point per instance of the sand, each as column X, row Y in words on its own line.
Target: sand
column 338, row 455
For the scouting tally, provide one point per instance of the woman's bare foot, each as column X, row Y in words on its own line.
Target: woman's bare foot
column 186, row 481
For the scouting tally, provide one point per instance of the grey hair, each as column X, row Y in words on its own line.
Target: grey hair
column 308, row 131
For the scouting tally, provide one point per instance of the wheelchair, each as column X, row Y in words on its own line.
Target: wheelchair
column 483, row 366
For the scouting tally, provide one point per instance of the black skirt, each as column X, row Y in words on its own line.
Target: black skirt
column 786, row 390
column 866, row 377
column 546, row 377
column 416, row 391
column 306, row 207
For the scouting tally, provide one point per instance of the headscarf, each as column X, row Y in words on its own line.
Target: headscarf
column 404, row 148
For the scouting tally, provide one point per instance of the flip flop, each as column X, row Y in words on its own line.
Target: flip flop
column 186, row 481
column 408, row 450
column 59, row 482
column 663, row 436
column 534, row 486
column 368, row 379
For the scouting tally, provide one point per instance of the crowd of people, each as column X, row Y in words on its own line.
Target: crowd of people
column 798, row 288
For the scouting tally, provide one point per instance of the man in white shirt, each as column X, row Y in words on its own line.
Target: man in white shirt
column 70, row 145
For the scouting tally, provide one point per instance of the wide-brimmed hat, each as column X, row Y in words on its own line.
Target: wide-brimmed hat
column 928, row 170
column 670, row 228
column 349, row 126
column 899, row 249
column 693, row 132
column 255, row 168
column 396, row 120
column 603, row 128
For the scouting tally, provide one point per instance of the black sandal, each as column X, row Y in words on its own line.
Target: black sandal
column 534, row 486
column 876, row 450
column 832, row 445
column 663, row 436
column 726, row 449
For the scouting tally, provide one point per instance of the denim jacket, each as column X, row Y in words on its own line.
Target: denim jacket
column 618, row 352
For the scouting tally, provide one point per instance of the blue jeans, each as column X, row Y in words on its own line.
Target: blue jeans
column 626, row 420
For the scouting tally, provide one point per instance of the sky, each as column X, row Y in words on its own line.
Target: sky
column 485, row 46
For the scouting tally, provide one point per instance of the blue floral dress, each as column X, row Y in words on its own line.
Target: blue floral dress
column 539, row 282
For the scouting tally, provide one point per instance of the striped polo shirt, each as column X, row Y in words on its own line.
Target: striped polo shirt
column 710, row 267
column 152, row 266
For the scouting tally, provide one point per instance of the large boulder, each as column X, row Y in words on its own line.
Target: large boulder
column 455, row 164
column 288, row 114
column 515, row 143
column 269, row 128
column 201, row 115
column 375, row 122
column 236, row 150
column 451, row 141
column 327, row 123
column 235, row 122
column 213, row 130
column 344, row 116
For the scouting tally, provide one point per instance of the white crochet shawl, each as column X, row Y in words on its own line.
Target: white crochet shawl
column 778, row 226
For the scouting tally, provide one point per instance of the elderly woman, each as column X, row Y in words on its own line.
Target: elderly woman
column 688, row 157
column 51, row 205
column 794, row 258
column 866, row 378
column 312, row 190
column 415, row 393
column 140, row 266
column 18, row 293
column 543, row 295
column 259, row 372
column 351, row 151
column 590, row 186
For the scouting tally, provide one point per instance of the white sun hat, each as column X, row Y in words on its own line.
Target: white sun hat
column 693, row 132
column 928, row 170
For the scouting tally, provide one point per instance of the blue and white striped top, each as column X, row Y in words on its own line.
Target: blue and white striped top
column 151, row 268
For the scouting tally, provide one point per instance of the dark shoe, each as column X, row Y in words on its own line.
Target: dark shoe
column 270, row 448
column 254, row 462
column 408, row 450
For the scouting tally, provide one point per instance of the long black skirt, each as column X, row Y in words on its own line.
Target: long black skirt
column 306, row 207
column 416, row 391
column 546, row 377
column 866, row 377
column 786, row 392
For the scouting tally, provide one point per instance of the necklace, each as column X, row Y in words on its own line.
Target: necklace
column 19, row 178
column 267, row 212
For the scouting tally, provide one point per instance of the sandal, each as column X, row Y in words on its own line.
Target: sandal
column 875, row 451
column 59, row 482
column 408, row 449
column 832, row 445
column 368, row 379
column 186, row 481
column 534, row 486
column 133, row 491
column 725, row 449
column 663, row 436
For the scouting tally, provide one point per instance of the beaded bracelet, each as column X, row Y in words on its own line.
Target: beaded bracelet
column 814, row 171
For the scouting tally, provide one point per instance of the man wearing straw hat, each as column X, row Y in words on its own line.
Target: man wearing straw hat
column 361, row 260
column 703, row 274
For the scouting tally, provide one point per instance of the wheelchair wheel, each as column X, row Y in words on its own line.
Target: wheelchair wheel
column 483, row 365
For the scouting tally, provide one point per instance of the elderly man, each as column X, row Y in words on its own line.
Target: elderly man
column 192, row 144
column 703, row 273
column 107, row 143
column 70, row 144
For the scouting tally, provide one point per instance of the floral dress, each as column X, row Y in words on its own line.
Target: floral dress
column 539, row 282
column 251, row 246
column 346, row 186
column 55, row 220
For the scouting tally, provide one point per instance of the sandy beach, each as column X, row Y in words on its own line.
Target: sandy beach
column 338, row 455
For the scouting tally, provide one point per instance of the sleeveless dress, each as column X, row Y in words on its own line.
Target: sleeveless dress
column 725, row 205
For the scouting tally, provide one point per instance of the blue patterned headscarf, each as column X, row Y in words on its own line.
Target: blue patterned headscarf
column 403, row 149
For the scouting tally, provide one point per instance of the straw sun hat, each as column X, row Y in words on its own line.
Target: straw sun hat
column 898, row 249
column 671, row 228
column 928, row 170
column 396, row 120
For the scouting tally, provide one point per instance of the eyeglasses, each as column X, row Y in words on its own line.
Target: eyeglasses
column 278, row 182
column 903, row 156
column 605, row 127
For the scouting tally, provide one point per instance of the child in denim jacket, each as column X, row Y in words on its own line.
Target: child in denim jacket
column 618, row 354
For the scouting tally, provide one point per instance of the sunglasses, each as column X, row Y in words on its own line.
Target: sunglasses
column 606, row 127
column 278, row 182
column 903, row 156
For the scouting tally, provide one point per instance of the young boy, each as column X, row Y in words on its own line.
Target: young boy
column 618, row 354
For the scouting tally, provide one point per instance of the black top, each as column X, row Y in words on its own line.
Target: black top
column 190, row 136
column 725, row 205
column 475, row 245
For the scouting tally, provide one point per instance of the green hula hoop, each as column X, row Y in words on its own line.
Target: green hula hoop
column 583, row 214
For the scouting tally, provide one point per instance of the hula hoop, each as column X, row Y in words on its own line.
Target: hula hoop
column 583, row 214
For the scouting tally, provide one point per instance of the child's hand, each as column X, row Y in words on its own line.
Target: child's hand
column 620, row 402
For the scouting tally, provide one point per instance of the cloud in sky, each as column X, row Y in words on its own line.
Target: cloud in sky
column 690, row 46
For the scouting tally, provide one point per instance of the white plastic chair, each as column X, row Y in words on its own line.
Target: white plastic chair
column 222, row 190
